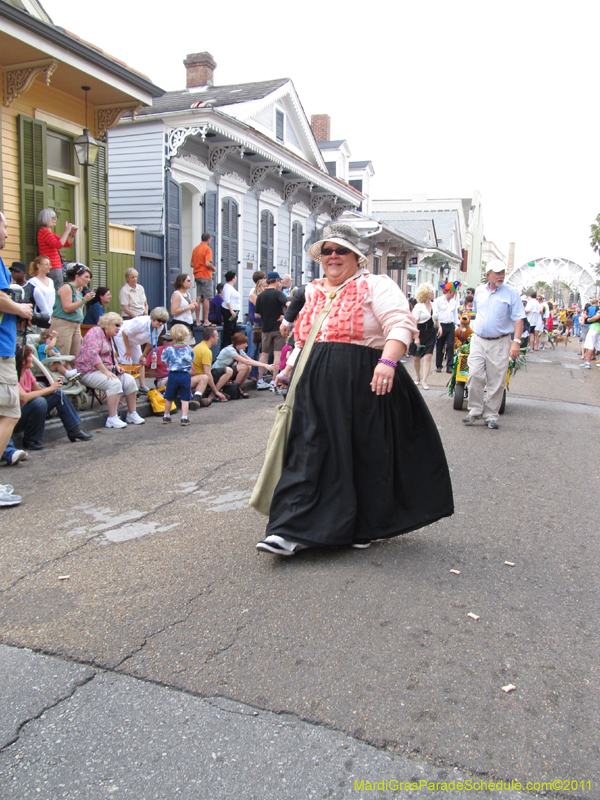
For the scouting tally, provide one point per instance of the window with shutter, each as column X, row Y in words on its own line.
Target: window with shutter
column 173, row 243
column 267, row 233
column 279, row 125
column 210, row 223
column 33, row 181
column 229, row 236
column 98, row 210
column 297, row 254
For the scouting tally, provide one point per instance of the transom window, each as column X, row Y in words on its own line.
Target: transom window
column 59, row 151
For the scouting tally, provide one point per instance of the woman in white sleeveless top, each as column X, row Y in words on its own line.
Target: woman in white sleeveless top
column 182, row 305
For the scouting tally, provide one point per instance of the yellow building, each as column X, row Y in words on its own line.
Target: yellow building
column 44, row 69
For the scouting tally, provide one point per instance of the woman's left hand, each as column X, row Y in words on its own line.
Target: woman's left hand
column 120, row 370
column 383, row 379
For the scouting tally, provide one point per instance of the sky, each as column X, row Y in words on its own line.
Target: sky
column 443, row 97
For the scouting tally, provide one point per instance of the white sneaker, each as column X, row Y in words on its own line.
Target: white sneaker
column 115, row 422
column 280, row 546
column 135, row 418
column 18, row 455
column 7, row 498
column 261, row 384
column 70, row 373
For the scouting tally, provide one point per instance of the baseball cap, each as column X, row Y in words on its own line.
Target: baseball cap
column 273, row 276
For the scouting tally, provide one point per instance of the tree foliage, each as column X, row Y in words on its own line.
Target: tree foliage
column 595, row 241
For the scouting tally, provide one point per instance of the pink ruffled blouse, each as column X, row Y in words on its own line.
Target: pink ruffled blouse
column 371, row 310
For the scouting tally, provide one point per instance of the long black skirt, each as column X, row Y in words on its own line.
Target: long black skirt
column 358, row 466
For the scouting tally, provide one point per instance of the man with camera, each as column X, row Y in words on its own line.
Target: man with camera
column 10, row 405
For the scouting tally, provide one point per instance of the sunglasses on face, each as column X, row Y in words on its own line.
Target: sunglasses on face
column 329, row 251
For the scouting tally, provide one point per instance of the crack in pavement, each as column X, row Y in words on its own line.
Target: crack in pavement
column 218, row 650
column 81, row 682
column 43, row 564
column 166, row 627
column 38, row 567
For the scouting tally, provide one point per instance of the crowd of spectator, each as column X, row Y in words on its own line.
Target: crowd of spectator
column 111, row 354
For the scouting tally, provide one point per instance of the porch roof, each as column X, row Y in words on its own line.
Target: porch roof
column 24, row 38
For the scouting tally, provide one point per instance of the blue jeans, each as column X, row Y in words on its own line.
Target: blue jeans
column 33, row 415
column 10, row 449
column 252, row 348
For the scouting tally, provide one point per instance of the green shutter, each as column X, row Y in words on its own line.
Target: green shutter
column 33, row 182
column 98, row 218
column 1, row 179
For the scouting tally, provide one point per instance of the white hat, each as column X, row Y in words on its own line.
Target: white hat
column 344, row 235
column 495, row 265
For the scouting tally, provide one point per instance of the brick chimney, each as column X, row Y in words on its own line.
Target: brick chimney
column 200, row 69
column 321, row 127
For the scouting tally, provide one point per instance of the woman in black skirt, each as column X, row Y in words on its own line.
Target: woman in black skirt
column 425, row 341
column 364, row 460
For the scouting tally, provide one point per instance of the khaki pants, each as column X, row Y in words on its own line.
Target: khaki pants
column 488, row 365
column 68, row 340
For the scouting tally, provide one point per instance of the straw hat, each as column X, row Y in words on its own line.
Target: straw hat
column 345, row 236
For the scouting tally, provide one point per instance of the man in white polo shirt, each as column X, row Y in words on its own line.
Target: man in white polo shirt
column 498, row 328
column 445, row 316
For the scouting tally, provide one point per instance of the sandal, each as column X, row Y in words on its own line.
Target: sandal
column 244, row 396
column 216, row 399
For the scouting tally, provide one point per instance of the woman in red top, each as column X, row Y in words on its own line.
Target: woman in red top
column 49, row 243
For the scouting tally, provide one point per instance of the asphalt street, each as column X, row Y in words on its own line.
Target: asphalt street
column 132, row 560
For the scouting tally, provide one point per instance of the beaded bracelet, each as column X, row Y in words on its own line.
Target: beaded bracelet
column 387, row 361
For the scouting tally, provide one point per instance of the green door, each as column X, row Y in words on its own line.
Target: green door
column 61, row 197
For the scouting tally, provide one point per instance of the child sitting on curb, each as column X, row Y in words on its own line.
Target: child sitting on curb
column 47, row 349
column 179, row 358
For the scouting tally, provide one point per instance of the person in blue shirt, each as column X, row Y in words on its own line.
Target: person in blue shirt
column 179, row 358
column 97, row 305
column 10, row 403
column 499, row 318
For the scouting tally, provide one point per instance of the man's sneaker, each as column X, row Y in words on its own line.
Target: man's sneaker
column 135, row 418
column 280, row 546
column 438, row 369
column 7, row 498
column 361, row 545
column 18, row 455
column 469, row 420
column 166, row 420
column 115, row 422
column 491, row 423
column 262, row 384
column 143, row 390
column 185, row 421
column 587, row 365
